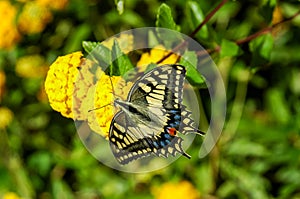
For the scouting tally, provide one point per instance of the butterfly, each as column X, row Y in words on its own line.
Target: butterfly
column 149, row 120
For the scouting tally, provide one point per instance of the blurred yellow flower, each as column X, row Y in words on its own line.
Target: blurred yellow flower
column 125, row 42
column 54, row 4
column 31, row 66
column 180, row 190
column 34, row 18
column 156, row 54
column 2, row 83
column 277, row 17
column 107, row 89
column 6, row 116
column 11, row 195
column 9, row 34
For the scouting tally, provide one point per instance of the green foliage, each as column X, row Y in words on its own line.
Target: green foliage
column 189, row 60
column 195, row 16
column 257, row 155
column 165, row 18
column 228, row 48
column 121, row 63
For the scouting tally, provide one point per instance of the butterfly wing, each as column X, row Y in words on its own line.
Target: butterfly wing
column 127, row 148
column 153, row 116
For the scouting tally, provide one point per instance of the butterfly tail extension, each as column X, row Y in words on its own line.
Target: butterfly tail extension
column 173, row 148
column 187, row 123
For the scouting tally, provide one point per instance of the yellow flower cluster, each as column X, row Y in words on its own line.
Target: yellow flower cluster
column 72, row 90
column 59, row 83
column 6, row 116
column 107, row 89
column 9, row 34
column 169, row 190
column 31, row 66
column 156, row 54
column 54, row 4
column 33, row 18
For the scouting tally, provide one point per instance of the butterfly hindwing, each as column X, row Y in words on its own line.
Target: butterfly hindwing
column 150, row 118
column 127, row 148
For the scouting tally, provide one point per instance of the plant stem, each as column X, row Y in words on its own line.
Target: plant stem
column 185, row 42
column 250, row 37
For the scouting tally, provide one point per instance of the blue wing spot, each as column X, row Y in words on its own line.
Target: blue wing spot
column 177, row 117
column 167, row 135
column 173, row 125
column 156, row 144
column 162, row 143
column 173, row 111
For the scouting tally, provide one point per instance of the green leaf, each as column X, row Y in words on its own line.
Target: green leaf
column 189, row 60
column 244, row 147
column 121, row 63
column 266, row 10
column 194, row 17
column 152, row 39
column 262, row 46
column 150, row 67
column 41, row 162
column 277, row 104
column 164, row 18
column 75, row 39
column 228, row 48
column 60, row 189
column 98, row 52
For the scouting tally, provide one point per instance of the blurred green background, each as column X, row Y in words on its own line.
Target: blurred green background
column 258, row 154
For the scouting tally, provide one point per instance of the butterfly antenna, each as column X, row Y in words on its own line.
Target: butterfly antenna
column 94, row 109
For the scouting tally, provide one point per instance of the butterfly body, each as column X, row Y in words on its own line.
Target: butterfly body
column 151, row 117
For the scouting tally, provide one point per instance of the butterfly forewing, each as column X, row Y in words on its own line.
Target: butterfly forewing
column 151, row 116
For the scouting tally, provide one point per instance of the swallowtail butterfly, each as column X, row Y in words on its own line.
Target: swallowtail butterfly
column 151, row 117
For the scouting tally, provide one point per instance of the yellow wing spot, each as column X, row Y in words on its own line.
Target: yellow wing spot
column 158, row 96
column 170, row 150
column 163, row 76
column 146, row 88
column 162, row 87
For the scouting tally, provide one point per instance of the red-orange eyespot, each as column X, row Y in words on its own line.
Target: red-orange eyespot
column 172, row 131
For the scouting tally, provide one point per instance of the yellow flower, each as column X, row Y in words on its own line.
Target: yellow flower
column 59, row 84
column 54, row 4
column 183, row 189
column 6, row 116
column 2, row 84
column 10, row 195
column 125, row 42
column 9, row 34
column 156, row 54
column 31, row 66
column 34, row 18
column 107, row 89
column 277, row 17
